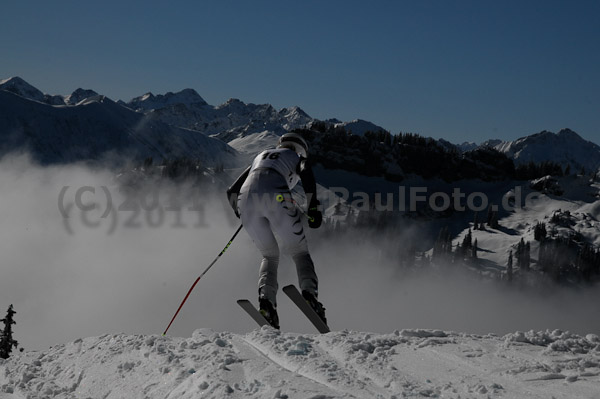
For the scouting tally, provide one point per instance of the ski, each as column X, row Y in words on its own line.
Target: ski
column 292, row 292
column 253, row 312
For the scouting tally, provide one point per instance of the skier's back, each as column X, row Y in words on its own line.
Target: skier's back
column 261, row 197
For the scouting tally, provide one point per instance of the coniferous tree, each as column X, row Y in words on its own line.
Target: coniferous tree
column 489, row 215
column 338, row 208
column 523, row 254
column 448, row 246
column 443, row 245
column 527, row 256
column 350, row 218
column 492, row 217
column 457, row 255
column 539, row 231
column 6, row 340
column 509, row 267
column 467, row 243
column 495, row 220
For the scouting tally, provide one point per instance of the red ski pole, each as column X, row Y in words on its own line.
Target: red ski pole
column 198, row 279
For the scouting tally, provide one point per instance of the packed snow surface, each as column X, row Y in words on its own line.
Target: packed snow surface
column 270, row 364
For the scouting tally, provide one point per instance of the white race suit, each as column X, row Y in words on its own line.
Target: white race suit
column 267, row 209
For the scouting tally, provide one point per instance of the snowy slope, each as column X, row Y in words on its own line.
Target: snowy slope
column 95, row 128
column 255, row 143
column 580, row 199
column 268, row 364
column 565, row 148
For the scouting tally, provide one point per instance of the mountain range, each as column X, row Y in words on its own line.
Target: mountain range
column 565, row 148
column 85, row 125
column 95, row 129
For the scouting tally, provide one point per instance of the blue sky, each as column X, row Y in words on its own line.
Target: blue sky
column 461, row 70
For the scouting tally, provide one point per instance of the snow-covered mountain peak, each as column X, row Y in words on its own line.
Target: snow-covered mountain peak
column 150, row 101
column 569, row 134
column 186, row 96
column 359, row 127
column 20, row 87
column 565, row 147
column 232, row 102
column 79, row 95
column 95, row 127
column 295, row 112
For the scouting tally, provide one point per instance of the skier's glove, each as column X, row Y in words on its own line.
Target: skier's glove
column 314, row 216
column 233, row 199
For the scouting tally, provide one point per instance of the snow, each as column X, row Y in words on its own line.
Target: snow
column 255, row 143
column 231, row 120
column 266, row 363
column 79, row 95
column 149, row 101
column 22, row 88
column 359, row 127
column 565, row 147
column 98, row 127
column 578, row 198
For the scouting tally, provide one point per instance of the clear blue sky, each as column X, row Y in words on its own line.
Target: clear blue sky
column 462, row 70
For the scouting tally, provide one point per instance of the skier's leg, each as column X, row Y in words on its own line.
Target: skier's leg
column 287, row 224
column 307, row 277
column 258, row 228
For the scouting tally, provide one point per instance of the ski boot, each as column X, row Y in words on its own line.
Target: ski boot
column 266, row 308
column 317, row 306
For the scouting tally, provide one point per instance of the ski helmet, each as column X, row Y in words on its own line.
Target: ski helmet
column 295, row 142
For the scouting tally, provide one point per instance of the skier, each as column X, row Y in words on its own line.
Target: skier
column 261, row 197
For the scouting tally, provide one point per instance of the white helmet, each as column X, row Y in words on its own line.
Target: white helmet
column 295, row 142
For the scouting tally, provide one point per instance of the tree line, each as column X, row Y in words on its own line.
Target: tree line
column 393, row 156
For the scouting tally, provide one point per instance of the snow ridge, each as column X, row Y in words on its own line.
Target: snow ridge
column 267, row 363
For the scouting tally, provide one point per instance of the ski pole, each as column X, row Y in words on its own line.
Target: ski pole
column 198, row 279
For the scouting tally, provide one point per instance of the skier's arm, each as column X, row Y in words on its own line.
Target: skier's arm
column 234, row 190
column 308, row 182
column 310, row 189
